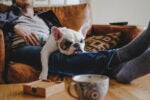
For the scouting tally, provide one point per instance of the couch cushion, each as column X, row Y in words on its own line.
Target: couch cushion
column 20, row 73
column 102, row 42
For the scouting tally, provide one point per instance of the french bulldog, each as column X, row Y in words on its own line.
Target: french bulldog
column 66, row 40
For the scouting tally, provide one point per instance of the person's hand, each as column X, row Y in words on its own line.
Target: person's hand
column 31, row 38
column 27, row 35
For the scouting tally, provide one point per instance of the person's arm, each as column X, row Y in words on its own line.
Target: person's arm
column 5, row 24
column 2, row 20
column 7, row 18
column 27, row 35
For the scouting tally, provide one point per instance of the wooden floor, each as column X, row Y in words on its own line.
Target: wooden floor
column 137, row 90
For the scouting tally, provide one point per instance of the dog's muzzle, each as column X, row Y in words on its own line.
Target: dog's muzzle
column 77, row 46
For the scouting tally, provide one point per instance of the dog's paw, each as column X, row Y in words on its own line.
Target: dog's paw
column 43, row 76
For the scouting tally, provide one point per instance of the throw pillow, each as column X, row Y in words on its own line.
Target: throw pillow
column 102, row 42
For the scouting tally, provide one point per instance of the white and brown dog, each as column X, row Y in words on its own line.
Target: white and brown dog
column 66, row 40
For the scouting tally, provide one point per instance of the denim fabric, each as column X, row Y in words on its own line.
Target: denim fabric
column 81, row 63
column 28, row 55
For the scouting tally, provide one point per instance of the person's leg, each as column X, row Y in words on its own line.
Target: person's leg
column 135, row 47
column 134, row 68
column 81, row 63
column 28, row 55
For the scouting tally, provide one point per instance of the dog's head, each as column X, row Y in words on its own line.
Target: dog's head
column 68, row 41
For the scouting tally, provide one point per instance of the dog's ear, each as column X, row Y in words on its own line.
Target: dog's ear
column 83, row 30
column 56, row 32
column 86, row 24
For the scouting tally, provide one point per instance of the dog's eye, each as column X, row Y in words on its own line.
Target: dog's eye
column 65, row 44
column 68, row 43
column 81, row 41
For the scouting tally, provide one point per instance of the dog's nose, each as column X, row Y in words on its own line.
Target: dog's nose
column 77, row 46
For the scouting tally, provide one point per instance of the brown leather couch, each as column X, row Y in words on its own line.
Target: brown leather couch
column 71, row 16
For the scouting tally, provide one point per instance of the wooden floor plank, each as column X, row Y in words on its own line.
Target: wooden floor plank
column 120, row 92
column 134, row 91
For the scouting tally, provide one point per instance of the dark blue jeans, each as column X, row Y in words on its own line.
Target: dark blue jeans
column 81, row 63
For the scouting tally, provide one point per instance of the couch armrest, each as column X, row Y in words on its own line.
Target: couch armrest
column 129, row 32
column 2, row 56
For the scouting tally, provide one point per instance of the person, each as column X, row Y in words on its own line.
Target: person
column 7, row 20
column 124, row 64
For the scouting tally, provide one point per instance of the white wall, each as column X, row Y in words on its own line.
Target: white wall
column 134, row 11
